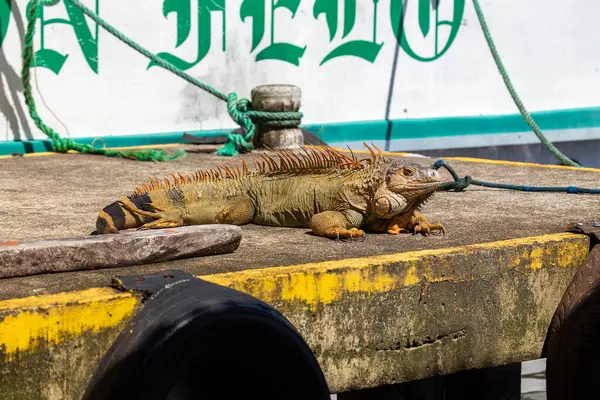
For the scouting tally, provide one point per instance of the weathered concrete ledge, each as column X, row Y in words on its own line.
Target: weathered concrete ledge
column 25, row 258
column 380, row 311
column 370, row 321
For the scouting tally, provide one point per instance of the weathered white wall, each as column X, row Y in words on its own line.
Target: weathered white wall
column 547, row 46
column 550, row 49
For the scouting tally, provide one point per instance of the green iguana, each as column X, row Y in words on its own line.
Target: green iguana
column 334, row 195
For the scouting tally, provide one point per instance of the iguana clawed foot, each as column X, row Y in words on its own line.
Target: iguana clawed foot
column 419, row 224
column 416, row 224
column 352, row 235
column 426, row 228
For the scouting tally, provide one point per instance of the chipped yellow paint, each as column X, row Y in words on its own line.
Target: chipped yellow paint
column 51, row 300
column 321, row 283
column 536, row 261
column 567, row 253
column 516, row 262
column 29, row 323
column 411, row 276
column 562, row 256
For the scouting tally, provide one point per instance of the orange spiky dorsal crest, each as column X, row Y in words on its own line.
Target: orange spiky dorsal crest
column 317, row 160
column 374, row 156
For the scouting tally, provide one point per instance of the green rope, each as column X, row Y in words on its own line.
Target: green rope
column 536, row 129
column 239, row 110
column 62, row 145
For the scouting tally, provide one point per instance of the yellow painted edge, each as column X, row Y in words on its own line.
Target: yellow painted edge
column 352, row 263
column 147, row 146
column 64, row 298
column 481, row 160
column 323, row 282
column 51, row 153
column 41, row 154
column 519, row 164
column 37, row 321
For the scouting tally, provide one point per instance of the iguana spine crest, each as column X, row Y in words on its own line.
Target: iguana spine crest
column 320, row 160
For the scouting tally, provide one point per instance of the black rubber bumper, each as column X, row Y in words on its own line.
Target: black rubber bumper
column 572, row 347
column 197, row 340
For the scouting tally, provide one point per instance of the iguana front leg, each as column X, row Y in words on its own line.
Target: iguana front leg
column 337, row 224
column 412, row 223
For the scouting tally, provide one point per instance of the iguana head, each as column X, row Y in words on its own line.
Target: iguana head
column 406, row 188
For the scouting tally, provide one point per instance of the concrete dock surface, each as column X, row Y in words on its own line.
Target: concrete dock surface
column 59, row 196
column 389, row 309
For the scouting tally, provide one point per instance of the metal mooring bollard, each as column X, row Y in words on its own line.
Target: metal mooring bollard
column 277, row 98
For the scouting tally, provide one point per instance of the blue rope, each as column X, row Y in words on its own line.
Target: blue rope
column 460, row 184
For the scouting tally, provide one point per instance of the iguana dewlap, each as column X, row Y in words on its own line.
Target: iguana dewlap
column 334, row 195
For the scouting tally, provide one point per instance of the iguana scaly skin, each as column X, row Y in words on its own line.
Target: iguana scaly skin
column 334, row 195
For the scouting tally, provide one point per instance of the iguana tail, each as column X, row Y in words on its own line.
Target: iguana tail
column 119, row 215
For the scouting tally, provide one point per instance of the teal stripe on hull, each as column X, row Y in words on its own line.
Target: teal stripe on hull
column 35, row 146
column 494, row 124
column 410, row 128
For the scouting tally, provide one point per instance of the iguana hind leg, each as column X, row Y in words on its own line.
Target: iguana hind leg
column 163, row 219
column 132, row 208
column 160, row 224
column 234, row 211
column 337, row 224
column 237, row 211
